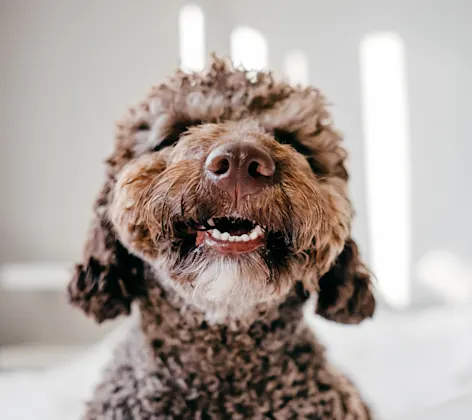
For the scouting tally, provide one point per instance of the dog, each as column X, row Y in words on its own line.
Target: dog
column 224, row 212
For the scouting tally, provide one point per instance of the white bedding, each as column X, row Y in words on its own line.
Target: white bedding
column 409, row 363
column 410, row 366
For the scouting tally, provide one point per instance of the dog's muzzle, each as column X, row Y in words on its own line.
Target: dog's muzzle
column 239, row 169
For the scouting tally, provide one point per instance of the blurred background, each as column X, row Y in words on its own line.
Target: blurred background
column 398, row 76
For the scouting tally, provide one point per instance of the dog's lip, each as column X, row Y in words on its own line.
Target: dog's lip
column 226, row 247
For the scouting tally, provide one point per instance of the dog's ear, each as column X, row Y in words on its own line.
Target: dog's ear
column 109, row 278
column 345, row 291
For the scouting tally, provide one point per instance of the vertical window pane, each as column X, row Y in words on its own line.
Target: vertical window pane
column 385, row 121
column 248, row 48
column 296, row 67
column 192, row 38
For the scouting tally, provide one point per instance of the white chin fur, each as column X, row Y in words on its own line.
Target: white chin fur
column 222, row 290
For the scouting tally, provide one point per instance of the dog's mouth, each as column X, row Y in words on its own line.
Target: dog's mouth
column 232, row 235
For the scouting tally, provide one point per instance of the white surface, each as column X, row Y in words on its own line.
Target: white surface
column 406, row 362
column 414, row 366
column 457, row 409
column 57, row 393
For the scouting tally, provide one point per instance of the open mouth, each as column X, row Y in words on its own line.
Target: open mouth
column 232, row 235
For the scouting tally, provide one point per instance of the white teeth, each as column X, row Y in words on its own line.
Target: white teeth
column 211, row 222
column 225, row 236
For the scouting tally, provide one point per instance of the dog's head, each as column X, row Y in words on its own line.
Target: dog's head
column 232, row 188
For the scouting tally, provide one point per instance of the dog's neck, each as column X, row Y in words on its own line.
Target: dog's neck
column 165, row 315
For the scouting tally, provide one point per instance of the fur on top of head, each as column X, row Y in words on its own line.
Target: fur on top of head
column 158, row 204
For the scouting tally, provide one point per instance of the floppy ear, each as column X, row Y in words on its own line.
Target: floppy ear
column 345, row 291
column 109, row 278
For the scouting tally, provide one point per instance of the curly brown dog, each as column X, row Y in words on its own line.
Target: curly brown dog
column 224, row 209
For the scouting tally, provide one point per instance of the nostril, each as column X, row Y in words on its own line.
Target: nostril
column 222, row 167
column 218, row 165
column 258, row 168
column 254, row 170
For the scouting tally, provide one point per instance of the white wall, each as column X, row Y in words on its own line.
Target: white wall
column 69, row 69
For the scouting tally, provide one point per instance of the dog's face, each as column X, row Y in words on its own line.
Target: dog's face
column 231, row 214
column 232, row 190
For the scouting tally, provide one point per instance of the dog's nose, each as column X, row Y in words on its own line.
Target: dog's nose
column 240, row 169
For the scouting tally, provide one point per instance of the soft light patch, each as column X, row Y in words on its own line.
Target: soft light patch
column 387, row 161
column 447, row 275
column 192, row 38
column 248, row 48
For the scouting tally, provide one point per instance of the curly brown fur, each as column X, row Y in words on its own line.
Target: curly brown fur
column 105, row 285
column 222, row 334
column 268, row 366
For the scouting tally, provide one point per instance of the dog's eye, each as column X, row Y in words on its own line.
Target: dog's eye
column 178, row 129
column 286, row 137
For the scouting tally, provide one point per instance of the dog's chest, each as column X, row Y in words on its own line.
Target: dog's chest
column 242, row 379
column 279, row 374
